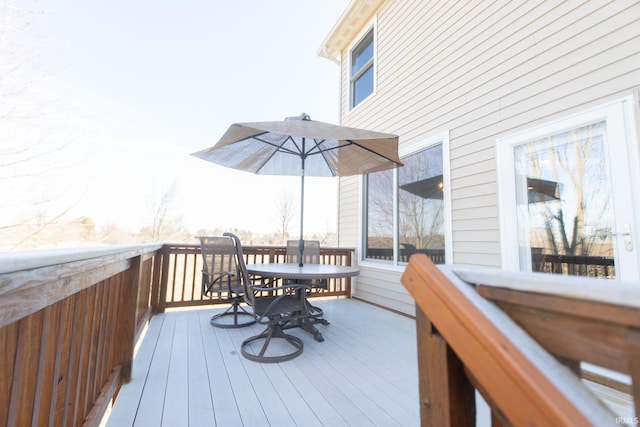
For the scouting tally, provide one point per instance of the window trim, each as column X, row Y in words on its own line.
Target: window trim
column 509, row 253
column 403, row 151
column 370, row 27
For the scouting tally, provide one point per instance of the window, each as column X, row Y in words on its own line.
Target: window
column 379, row 215
column 566, row 196
column 362, row 69
column 405, row 209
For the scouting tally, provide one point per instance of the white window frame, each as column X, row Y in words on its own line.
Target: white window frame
column 510, row 256
column 403, row 151
column 371, row 26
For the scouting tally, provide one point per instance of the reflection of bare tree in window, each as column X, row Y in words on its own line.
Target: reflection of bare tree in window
column 380, row 210
column 420, row 221
column 571, row 224
column 421, row 214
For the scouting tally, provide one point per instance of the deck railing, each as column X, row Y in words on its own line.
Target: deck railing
column 576, row 265
column 69, row 321
column 68, row 325
column 182, row 272
column 524, row 354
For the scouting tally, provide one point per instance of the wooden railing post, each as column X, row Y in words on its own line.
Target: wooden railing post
column 447, row 398
column 162, row 298
column 158, row 263
column 127, row 318
column 633, row 347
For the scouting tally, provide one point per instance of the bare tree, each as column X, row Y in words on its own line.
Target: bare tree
column 166, row 224
column 32, row 148
column 285, row 210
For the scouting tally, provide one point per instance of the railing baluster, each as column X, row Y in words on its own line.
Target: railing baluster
column 195, row 293
column 26, row 368
column 42, row 402
column 184, row 276
column 63, row 354
column 77, row 326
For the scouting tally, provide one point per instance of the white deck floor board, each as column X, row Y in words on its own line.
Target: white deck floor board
column 343, row 411
column 129, row 396
column 222, row 396
column 246, row 399
column 188, row 373
column 353, row 376
column 200, row 402
column 178, row 375
column 150, row 407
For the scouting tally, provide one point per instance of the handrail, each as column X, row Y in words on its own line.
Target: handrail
column 53, row 277
column 465, row 342
column 27, row 260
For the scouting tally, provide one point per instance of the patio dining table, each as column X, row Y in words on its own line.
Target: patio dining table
column 293, row 271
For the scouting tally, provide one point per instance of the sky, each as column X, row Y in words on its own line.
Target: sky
column 118, row 95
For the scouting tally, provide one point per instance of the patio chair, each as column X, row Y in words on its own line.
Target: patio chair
column 220, row 279
column 283, row 304
column 311, row 256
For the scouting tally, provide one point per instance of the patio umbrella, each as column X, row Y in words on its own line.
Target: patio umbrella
column 303, row 147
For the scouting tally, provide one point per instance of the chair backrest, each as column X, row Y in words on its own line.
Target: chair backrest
column 219, row 268
column 243, row 274
column 311, row 252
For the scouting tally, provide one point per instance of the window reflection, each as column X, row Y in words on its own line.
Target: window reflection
column 379, row 215
column 420, row 206
column 564, row 203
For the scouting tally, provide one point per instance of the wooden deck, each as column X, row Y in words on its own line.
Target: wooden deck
column 187, row 373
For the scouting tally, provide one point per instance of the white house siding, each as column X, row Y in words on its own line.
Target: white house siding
column 349, row 205
column 482, row 70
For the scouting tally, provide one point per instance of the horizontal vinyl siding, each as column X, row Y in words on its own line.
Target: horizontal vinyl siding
column 483, row 70
column 349, row 204
column 383, row 287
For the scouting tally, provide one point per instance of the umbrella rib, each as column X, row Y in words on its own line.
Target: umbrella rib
column 321, row 152
column 316, row 144
column 279, row 148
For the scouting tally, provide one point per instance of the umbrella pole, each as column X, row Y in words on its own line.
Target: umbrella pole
column 301, row 241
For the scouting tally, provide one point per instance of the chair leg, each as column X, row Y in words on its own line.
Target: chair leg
column 234, row 310
column 273, row 331
column 316, row 315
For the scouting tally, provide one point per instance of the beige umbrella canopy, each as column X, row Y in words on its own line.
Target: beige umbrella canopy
column 303, row 147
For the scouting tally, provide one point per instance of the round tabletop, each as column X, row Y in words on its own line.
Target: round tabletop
column 307, row 271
